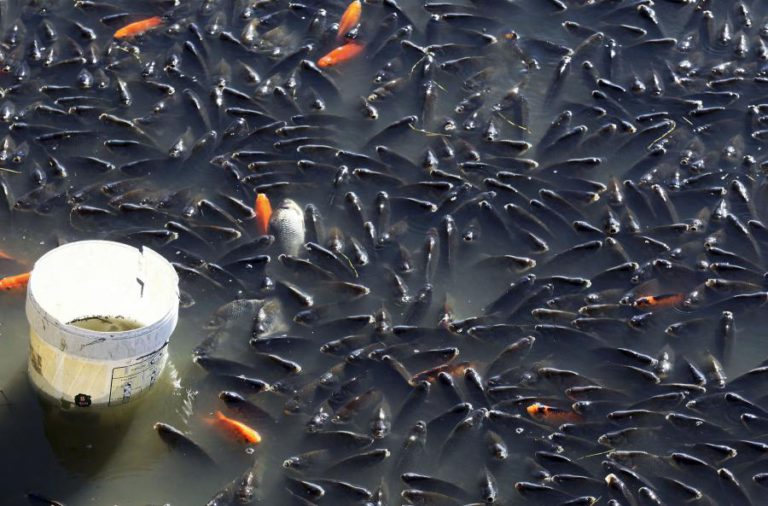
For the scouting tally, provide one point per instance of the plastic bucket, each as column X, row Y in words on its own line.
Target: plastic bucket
column 80, row 299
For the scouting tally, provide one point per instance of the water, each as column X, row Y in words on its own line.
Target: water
column 115, row 457
column 106, row 324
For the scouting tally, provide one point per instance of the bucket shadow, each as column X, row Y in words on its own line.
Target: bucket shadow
column 31, row 461
column 84, row 439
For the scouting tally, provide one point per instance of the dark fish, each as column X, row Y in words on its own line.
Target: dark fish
column 359, row 462
column 243, row 490
column 541, row 494
column 513, row 297
column 35, row 498
column 344, row 491
column 725, row 336
column 435, row 485
column 308, row 461
column 224, row 367
column 342, row 438
column 245, row 408
column 489, row 490
column 415, row 496
column 182, row 443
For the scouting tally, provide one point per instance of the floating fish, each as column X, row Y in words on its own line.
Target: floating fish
column 138, row 27
column 341, row 54
column 287, row 225
column 15, row 282
column 263, row 211
column 246, row 433
column 349, row 19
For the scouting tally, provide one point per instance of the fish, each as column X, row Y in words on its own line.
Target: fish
column 244, row 489
column 314, row 459
column 435, row 485
column 355, row 405
column 231, row 313
column 341, row 54
column 287, row 225
column 415, row 496
column 542, row 494
column 380, row 424
column 223, row 366
column 349, row 19
column 243, row 431
column 263, row 213
column 138, row 27
column 302, row 488
column 489, row 489
column 35, row 498
column 726, row 334
column 658, row 301
column 552, row 415
column 359, row 461
column 15, row 282
column 343, row 438
column 182, row 443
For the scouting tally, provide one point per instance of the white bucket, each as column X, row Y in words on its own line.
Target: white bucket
column 98, row 280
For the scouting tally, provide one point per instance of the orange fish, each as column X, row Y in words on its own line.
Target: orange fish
column 239, row 428
column 341, row 54
column 6, row 256
column 139, row 27
column 659, row 301
column 552, row 415
column 15, row 282
column 349, row 19
column 263, row 212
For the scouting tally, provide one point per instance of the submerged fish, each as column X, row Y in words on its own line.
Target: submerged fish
column 552, row 415
column 40, row 500
column 182, row 443
column 243, row 490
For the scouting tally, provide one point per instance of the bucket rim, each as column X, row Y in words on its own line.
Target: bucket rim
column 104, row 242
column 42, row 314
column 169, row 318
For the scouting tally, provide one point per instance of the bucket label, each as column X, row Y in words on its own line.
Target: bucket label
column 82, row 400
column 130, row 380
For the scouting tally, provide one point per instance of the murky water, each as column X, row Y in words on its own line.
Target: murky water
column 106, row 324
column 165, row 140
